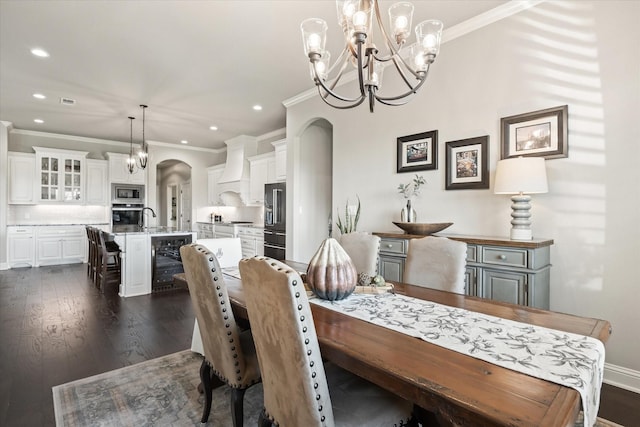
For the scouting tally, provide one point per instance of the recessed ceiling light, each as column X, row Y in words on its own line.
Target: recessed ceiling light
column 213, row 127
column 184, row 141
column 39, row 121
column 40, row 52
column 39, row 96
column 257, row 107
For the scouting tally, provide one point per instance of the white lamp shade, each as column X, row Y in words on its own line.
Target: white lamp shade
column 525, row 175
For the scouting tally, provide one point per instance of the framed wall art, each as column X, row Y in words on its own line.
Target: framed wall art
column 540, row 133
column 418, row 152
column 467, row 164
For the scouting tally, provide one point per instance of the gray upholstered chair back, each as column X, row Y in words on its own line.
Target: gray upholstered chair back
column 436, row 262
column 363, row 249
column 220, row 333
column 293, row 377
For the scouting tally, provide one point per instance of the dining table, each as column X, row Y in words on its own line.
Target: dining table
column 457, row 389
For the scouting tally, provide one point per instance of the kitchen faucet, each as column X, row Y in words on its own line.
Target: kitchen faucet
column 141, row 220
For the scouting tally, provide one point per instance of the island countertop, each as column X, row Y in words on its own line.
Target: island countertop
column 135, row 229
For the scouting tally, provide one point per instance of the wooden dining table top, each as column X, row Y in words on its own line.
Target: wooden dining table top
column 458, row 388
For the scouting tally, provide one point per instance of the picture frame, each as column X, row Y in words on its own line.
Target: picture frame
column 467, row 164
column 541, row 133
column 417, row 152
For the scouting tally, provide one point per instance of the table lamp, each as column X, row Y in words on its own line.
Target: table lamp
column 521, row 176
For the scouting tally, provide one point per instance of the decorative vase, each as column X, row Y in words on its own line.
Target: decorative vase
column 331, row 274
column 408, row 214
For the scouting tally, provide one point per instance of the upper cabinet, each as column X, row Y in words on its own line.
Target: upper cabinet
column 97, row 188
column 213, row 176
column 119, row 172
column 281, row 159
column 263, row 171
column 22, row 171
column 60, row 175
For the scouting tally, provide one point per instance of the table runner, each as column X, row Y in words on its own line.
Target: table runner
column 568, row 359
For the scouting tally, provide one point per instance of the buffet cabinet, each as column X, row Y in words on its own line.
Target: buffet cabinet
column 497, row 268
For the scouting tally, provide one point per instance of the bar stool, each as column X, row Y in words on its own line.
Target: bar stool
column 108, row 268
column 91, row 255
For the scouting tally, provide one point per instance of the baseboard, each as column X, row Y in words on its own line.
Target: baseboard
column 4, row 266
column 625, row 378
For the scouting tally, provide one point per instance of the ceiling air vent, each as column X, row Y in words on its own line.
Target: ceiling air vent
column 67, row 101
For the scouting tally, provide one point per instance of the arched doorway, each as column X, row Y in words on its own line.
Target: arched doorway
column 173, row 190
column 314, row 182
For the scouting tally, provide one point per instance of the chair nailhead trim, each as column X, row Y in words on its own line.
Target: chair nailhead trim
column 317, row 397
column 297, row 294
column 299, row 306
column 295, row 283
column 302, row 318
column 315, row 385
column 306, row 341
column 313, row 375
column 322, row 418
column 308, row 352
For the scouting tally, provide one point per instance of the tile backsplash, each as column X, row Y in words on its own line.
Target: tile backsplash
column 57, row 214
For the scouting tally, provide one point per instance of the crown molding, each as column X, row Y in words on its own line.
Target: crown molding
column 470, row 25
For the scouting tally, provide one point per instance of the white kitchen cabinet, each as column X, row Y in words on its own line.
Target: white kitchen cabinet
column 22, row 172
column 119, row 172
column 263, row 171
column 60, row 175
column 281, row 159
column 60, row 245
column 97, row 188
column 251, row 240
column 20, row 246
column 205, row 230
column 213, row 176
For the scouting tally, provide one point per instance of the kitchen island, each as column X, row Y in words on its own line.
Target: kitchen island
column 139, row 246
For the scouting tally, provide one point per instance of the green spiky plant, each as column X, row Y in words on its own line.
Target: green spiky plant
column 350, row 220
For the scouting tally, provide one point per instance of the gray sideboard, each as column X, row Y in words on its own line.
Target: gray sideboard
column 497, row 268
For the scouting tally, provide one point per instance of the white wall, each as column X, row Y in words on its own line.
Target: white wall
column 580, row 53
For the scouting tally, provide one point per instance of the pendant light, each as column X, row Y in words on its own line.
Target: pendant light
column 131, row 161
column 143, row 154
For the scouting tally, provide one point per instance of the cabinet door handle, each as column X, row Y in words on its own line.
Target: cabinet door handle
column 389, row 245
column 503, row 257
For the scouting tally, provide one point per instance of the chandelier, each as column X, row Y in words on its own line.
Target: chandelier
column 131, row 161
column 356, row 18
column 143, row 154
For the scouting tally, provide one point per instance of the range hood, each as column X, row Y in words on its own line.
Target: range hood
column 233, row 185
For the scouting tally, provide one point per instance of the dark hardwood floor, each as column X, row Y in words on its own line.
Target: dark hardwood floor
column 55, row 327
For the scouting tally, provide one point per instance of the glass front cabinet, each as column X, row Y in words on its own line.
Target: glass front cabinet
column 60, row 174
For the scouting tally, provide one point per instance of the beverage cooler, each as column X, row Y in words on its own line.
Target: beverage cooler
column 275, row 223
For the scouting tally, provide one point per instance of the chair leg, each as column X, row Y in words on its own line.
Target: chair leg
column 205, row 377
column 237, row 399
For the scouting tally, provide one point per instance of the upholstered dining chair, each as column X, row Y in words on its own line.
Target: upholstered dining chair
column 298, row 389
column 228, row 250
column 436, row 262
column 228, row 351
column 363, row 249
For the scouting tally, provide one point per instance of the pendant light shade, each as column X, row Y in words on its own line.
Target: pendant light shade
column 131, row 161
column 143, row 154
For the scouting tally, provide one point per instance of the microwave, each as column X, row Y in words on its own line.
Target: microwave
column 127, row 194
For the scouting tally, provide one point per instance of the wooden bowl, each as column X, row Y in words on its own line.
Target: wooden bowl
column 422, row 229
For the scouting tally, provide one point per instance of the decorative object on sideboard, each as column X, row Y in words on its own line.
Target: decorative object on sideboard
column 408, row 191
column 356, row 18
column 131, row 161
column 422, row 229
column 351, row 218
column 331, row 274
column 521, row 176
column 540, row 133
column 143, row 154
column 467, row 164
column 417, row 152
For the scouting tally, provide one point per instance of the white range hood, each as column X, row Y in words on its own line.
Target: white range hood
column 233, row 185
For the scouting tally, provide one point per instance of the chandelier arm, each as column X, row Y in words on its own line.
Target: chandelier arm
column 328, row 90
column 394, row 104
column 360, row 76
column 345, row 63
column 340, row 107
column 412, row 91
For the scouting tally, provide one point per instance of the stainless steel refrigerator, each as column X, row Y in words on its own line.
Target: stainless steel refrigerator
column 275, row 220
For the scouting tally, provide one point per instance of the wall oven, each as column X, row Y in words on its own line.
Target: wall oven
column 127, row 194
column 126, row 216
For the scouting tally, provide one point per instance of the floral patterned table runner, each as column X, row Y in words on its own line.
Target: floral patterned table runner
column 564, row 358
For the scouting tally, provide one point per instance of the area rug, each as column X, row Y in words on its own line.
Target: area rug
column 158, row 392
